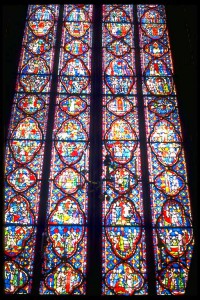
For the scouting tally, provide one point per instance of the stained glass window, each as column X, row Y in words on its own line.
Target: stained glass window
column 123, row 246
column 64, row 265
column 25, row 146
column 96, row 135
column 170, row 201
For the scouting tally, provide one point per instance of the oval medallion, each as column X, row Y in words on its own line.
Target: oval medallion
column 38, row 46
column 67, row 211
column 158, row 78
column 127, row 283
column 175, row 240
column 174, row 228
column 77, row 22
column 77, row 14
column 169, row 182
column 157, row 67
column 30, row 104
column 34, row 75
column 160, row 85
column 174, row 278
column 41, row 21
column 123, row 240
column 77, row 29
column 16, row 238
column 156, row 49
column 118, row 23
column 63, row 279
column 13, row 272
column 122, row 212
column 166, row 153
column 119, row 76
column 65, row 239
column 165, row 143
column 76, row 47
column 153, row 24
column 73, row 105
column 162, row 107
column 75, row 76
column 118, row 48
column 173, row 215
column 119, row 106
column 19, row 212
column 21, row 179
column 71, row 141
column 69, row 180
column 25, row 140
column 121, row 141
column 123, row 180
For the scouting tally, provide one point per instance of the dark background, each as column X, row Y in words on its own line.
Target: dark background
column 182, row 26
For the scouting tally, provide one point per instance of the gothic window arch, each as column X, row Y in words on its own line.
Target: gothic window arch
column 94, row 158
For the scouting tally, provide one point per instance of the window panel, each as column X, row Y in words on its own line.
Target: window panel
column 138, row 96
column 171, row 212
column 64, row 267
column 123, row 245
column 25, row 146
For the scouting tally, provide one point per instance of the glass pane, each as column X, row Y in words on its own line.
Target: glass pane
column 123, row 246
column 25, row 146
column 170, row 202
column 64, row 267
